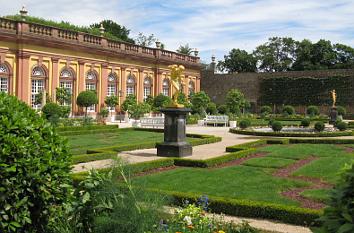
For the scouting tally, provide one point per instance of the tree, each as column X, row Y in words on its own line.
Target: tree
column 278, row 54
column 344, row 56
column 238, row 61
column 111, row 101
column 35, row 169
column 323, row 55
column 199, row 102
column 185, row 49
column 86, row 99
column 161, row 101
column 235, row 101
column 303, row 55
column 114, row 29
column 146, row 41
column 129, row 100
column 62, row 95
column 52, row 112
column 137, row 111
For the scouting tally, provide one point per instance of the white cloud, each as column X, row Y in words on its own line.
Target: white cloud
column 213, row 26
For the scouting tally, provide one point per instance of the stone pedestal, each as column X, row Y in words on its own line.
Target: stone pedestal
column 333, row 116
column 175, row 144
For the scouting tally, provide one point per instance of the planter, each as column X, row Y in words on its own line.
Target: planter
column 232, row 124
column 200, row 122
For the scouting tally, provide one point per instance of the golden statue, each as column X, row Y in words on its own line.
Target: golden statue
column 176, row 79
column 334, row 97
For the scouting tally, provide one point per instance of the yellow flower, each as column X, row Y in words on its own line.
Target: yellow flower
column 221, row 231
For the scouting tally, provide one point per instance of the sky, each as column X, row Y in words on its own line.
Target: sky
column 211, row 26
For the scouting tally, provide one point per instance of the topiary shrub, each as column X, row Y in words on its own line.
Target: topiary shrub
column 338, row 216
column 312, row 111
column 222, row 109
column 305, row 122
column 86, row 99
column 34, row 168
column 244, row 123
column 266, row 110
column 341, row 110
column 277, row 126
column 288, row 110
column 319, row 126
column 342, row 126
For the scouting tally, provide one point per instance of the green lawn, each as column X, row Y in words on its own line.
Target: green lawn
column 254, row 180
column 79, row 144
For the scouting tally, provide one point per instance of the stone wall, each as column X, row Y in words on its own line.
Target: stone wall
column 217, row 85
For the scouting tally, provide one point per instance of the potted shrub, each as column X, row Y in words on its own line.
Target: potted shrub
column 137, row 111
column 277, row 126
column 111, row 102
column 319, row 126
column 232, row 121
column 244, row 123
column 104, row 114
column 342, row 126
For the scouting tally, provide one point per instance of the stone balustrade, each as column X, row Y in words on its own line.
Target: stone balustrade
column 70, row 36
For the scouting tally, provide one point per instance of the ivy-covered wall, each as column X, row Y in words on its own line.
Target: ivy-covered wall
column 306, row 90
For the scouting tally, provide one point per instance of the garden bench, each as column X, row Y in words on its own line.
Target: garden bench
column 152, row 122
column 215, row 120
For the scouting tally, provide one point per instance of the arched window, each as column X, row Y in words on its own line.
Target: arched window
column 66, row 80
column 191, row 87
column 131, row 85
column 166, row 87
column 147, row 87
column 38, row 84
column 4, row 78
column 91, row 85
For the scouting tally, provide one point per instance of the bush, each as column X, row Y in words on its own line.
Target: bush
column 199, row 102
column 244, row 123
column 52, row 112
column 129, row 101
column 305, row 122
column 211, row 108
column 104, row 112
column 192, row 119
column 137, row 111
column 34, row 169
column 111, row 101
column 277, row 126
column 161, row 101
column 86, row 99
column 222, row 109
column 235, row 101
column 341, row 110
column 288, row 110
column 338, row 217
column 342, row 126
column 266, row 110
column 312, row 111
column 319, row 126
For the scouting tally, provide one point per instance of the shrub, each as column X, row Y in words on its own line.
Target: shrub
column 104, row 112
column 129, row 101
column 86, row 99
column 161, row 101
column 341, row 110
column 199, row 102
column 235, row 101
column 222, row 109
column 244, row 123
column 52, row 112
column 192, row 119
column 277, row 126
column 211, row 108
column 319, row 126
column 288, row 110
column 342, row 126
column 34, row 168
column 111, row 101
column 138, row 110
column 305, row 122
column 312, row 111
column 266, row 110
column 63, row 95
column 338, row 217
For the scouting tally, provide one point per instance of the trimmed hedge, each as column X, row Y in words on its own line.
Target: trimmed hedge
column 289, row 134
column 89, row 127
column 321, row 141
column 251, row 209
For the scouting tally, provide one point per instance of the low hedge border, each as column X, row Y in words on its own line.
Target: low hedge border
column 282, row 134
column 89, row 127
column 89, row 131
column 251, row 209
column 321, row 141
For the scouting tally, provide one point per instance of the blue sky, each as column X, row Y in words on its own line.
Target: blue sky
column 212, row 26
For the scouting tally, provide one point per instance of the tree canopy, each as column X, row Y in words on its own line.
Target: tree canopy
column 114, row 29
column 185, row 49
column 286, row 54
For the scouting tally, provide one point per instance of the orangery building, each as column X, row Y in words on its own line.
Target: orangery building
column 35, row 58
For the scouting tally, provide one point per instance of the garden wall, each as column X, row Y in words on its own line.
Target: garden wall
column 275, row 89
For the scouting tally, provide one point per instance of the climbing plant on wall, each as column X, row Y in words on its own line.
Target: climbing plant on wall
column 306, row 90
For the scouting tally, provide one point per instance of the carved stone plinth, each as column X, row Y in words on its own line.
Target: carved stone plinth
column 175, row 144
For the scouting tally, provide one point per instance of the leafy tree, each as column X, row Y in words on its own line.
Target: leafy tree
column 323, row 55
column 111, row 101
column 185, row 49
column 199, row 102
column 303, row 55
column 63, row 95
column 35, row 169
column 104, row 112
column 38, row 99
column 345, row 56
column 86, row 99
column 52, row 112
column 182, row 99
column 238, row 61
column 114, row 29
column 235, row 101
column 161, row 101
column 137, row 111
column 222, row 109
column 211, row 108
column 278, row 54
column 146, row 41
column 129, row 101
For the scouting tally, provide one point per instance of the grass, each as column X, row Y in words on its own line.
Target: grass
column 253, row 180
column 317, row 194
column 79, row 144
